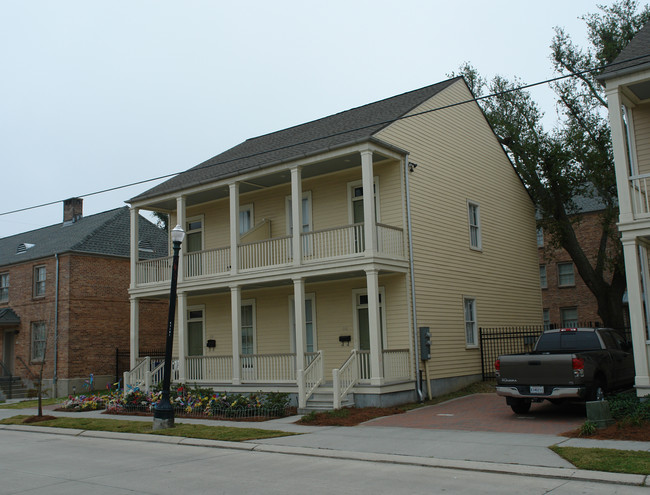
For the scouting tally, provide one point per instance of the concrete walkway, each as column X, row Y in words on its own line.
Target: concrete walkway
column 515, row 453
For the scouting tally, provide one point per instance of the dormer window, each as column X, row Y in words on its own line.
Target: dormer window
column 145, row 247
column 23, row 247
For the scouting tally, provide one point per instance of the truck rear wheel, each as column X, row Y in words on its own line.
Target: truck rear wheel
column 521, row 406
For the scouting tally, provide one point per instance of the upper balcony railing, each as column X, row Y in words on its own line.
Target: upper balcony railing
column 335, row 243
column 639, row 195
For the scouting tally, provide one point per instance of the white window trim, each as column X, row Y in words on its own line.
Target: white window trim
column 197, row 307
column 355, row 315
column 36, row 281
column 357, row 183
column 288, row 213
column 479, row 246
column 292, row 324
column 247, row 207
column 4, row 289
column 31, row 338
column 540, row 237
column 475, row 345
column 202, row 229
column 559, row 283
column 250, row 302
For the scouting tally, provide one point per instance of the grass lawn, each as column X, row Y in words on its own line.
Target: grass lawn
column 226, row 433
column 610, row 460
column 27, row 404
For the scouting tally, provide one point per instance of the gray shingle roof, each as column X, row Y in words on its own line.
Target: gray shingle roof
column 345, row 128
column 635, row 56
column 106, row 233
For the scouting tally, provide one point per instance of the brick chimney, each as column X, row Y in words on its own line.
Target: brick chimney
column 73, row 210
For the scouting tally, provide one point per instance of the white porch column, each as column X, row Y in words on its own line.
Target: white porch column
column 296, row 215
column 181, row 313
column 134, row 343
column 235, row 309
column 634, row 273
column 234, row 227
column 376, row 355
column 180, row 220
column 299, row 318
column 369, row 223
column 622, row 164
column 135, row 252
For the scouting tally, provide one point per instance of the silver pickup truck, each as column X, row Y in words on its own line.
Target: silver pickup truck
column 566, row 364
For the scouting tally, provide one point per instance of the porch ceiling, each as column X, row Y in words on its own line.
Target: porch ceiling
column 264, row 181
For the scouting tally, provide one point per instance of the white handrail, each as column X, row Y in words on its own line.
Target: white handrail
column 208, row 368
column 136, row 378
column 345, row 378
column 310, row 379
column 270, row 252
column 207, row 262
column 153, row 271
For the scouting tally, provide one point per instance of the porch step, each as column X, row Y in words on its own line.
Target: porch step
column 324, row 401
column 15, row 385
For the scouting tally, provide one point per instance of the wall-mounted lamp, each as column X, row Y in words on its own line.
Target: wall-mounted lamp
column 412, row 166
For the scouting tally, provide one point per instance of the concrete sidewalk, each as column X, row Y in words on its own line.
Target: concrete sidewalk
column 514, row 453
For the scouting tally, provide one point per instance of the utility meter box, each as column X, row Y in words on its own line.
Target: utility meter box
column 425, row 344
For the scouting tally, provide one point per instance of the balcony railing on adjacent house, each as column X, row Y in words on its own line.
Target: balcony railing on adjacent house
column 327, row 244
column 639, row 195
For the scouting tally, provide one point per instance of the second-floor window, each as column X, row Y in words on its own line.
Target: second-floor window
column 542, row 276
column 245, row 218
column 565, row 277
column 39, row 281
column 194, row 234
column 540, row 237
column 474, row 225
column 4, row 287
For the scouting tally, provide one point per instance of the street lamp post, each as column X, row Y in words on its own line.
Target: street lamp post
column 163, row 413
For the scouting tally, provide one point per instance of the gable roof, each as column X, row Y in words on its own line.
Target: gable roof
column 106, row 233
column 634, row 57
column 8, row 317
column 338, row 130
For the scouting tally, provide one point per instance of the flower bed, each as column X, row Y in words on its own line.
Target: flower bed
column 203, row 403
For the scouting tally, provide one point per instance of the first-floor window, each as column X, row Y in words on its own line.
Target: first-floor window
column 39, row 332
column 471, row 329
column 4, row 287
column 569, row 317
column 247, row 328
column 547, row 319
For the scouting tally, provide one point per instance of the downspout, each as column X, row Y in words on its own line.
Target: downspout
column 56, row 327
column 412, row 275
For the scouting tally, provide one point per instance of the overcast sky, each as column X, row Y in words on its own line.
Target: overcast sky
column 98, row 94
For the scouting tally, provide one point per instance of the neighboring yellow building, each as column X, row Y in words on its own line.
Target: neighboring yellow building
column 627, row 82
column 447, row 241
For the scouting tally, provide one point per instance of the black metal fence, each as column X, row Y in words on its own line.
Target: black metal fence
column 505, row 340
column 123, row 359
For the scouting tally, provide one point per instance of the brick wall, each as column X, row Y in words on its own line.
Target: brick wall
column 93, row 315
column 554, row 298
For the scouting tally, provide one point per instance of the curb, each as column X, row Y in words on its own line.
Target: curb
column 432, row 462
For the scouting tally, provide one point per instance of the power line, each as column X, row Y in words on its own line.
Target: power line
column 385, row 122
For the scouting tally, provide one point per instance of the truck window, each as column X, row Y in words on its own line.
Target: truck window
column 568, row 341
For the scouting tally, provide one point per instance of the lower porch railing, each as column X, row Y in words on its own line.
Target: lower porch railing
column 397, row 365
column 310, row 379
column 344, row 378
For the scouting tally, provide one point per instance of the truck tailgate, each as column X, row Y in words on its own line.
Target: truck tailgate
column 537, row 369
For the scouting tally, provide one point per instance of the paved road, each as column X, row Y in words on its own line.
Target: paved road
column 37, row 463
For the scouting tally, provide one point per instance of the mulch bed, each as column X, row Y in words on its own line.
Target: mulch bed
column 351, row 417
column 36, row 419
column 639, row 433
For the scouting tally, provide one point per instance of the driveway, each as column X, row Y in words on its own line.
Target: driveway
column 489, row 412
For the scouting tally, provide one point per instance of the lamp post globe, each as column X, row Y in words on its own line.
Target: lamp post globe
column 163, row 413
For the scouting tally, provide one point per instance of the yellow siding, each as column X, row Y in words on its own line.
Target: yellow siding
column 458, row 160
column 642, row 137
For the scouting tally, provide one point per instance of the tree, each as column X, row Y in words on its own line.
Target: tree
column 162, row 220
column 575, row 157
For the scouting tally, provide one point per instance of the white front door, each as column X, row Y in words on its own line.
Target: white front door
column 362, row 328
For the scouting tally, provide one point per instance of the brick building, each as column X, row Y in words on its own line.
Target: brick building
column 64, row 298
column 567, row 301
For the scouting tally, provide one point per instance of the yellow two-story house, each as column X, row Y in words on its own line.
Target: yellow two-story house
column 314, row 255
column 627, row 83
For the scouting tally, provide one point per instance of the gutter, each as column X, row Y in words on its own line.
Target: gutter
column 412, row 275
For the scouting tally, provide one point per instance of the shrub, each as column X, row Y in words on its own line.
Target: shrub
column 588, row 428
